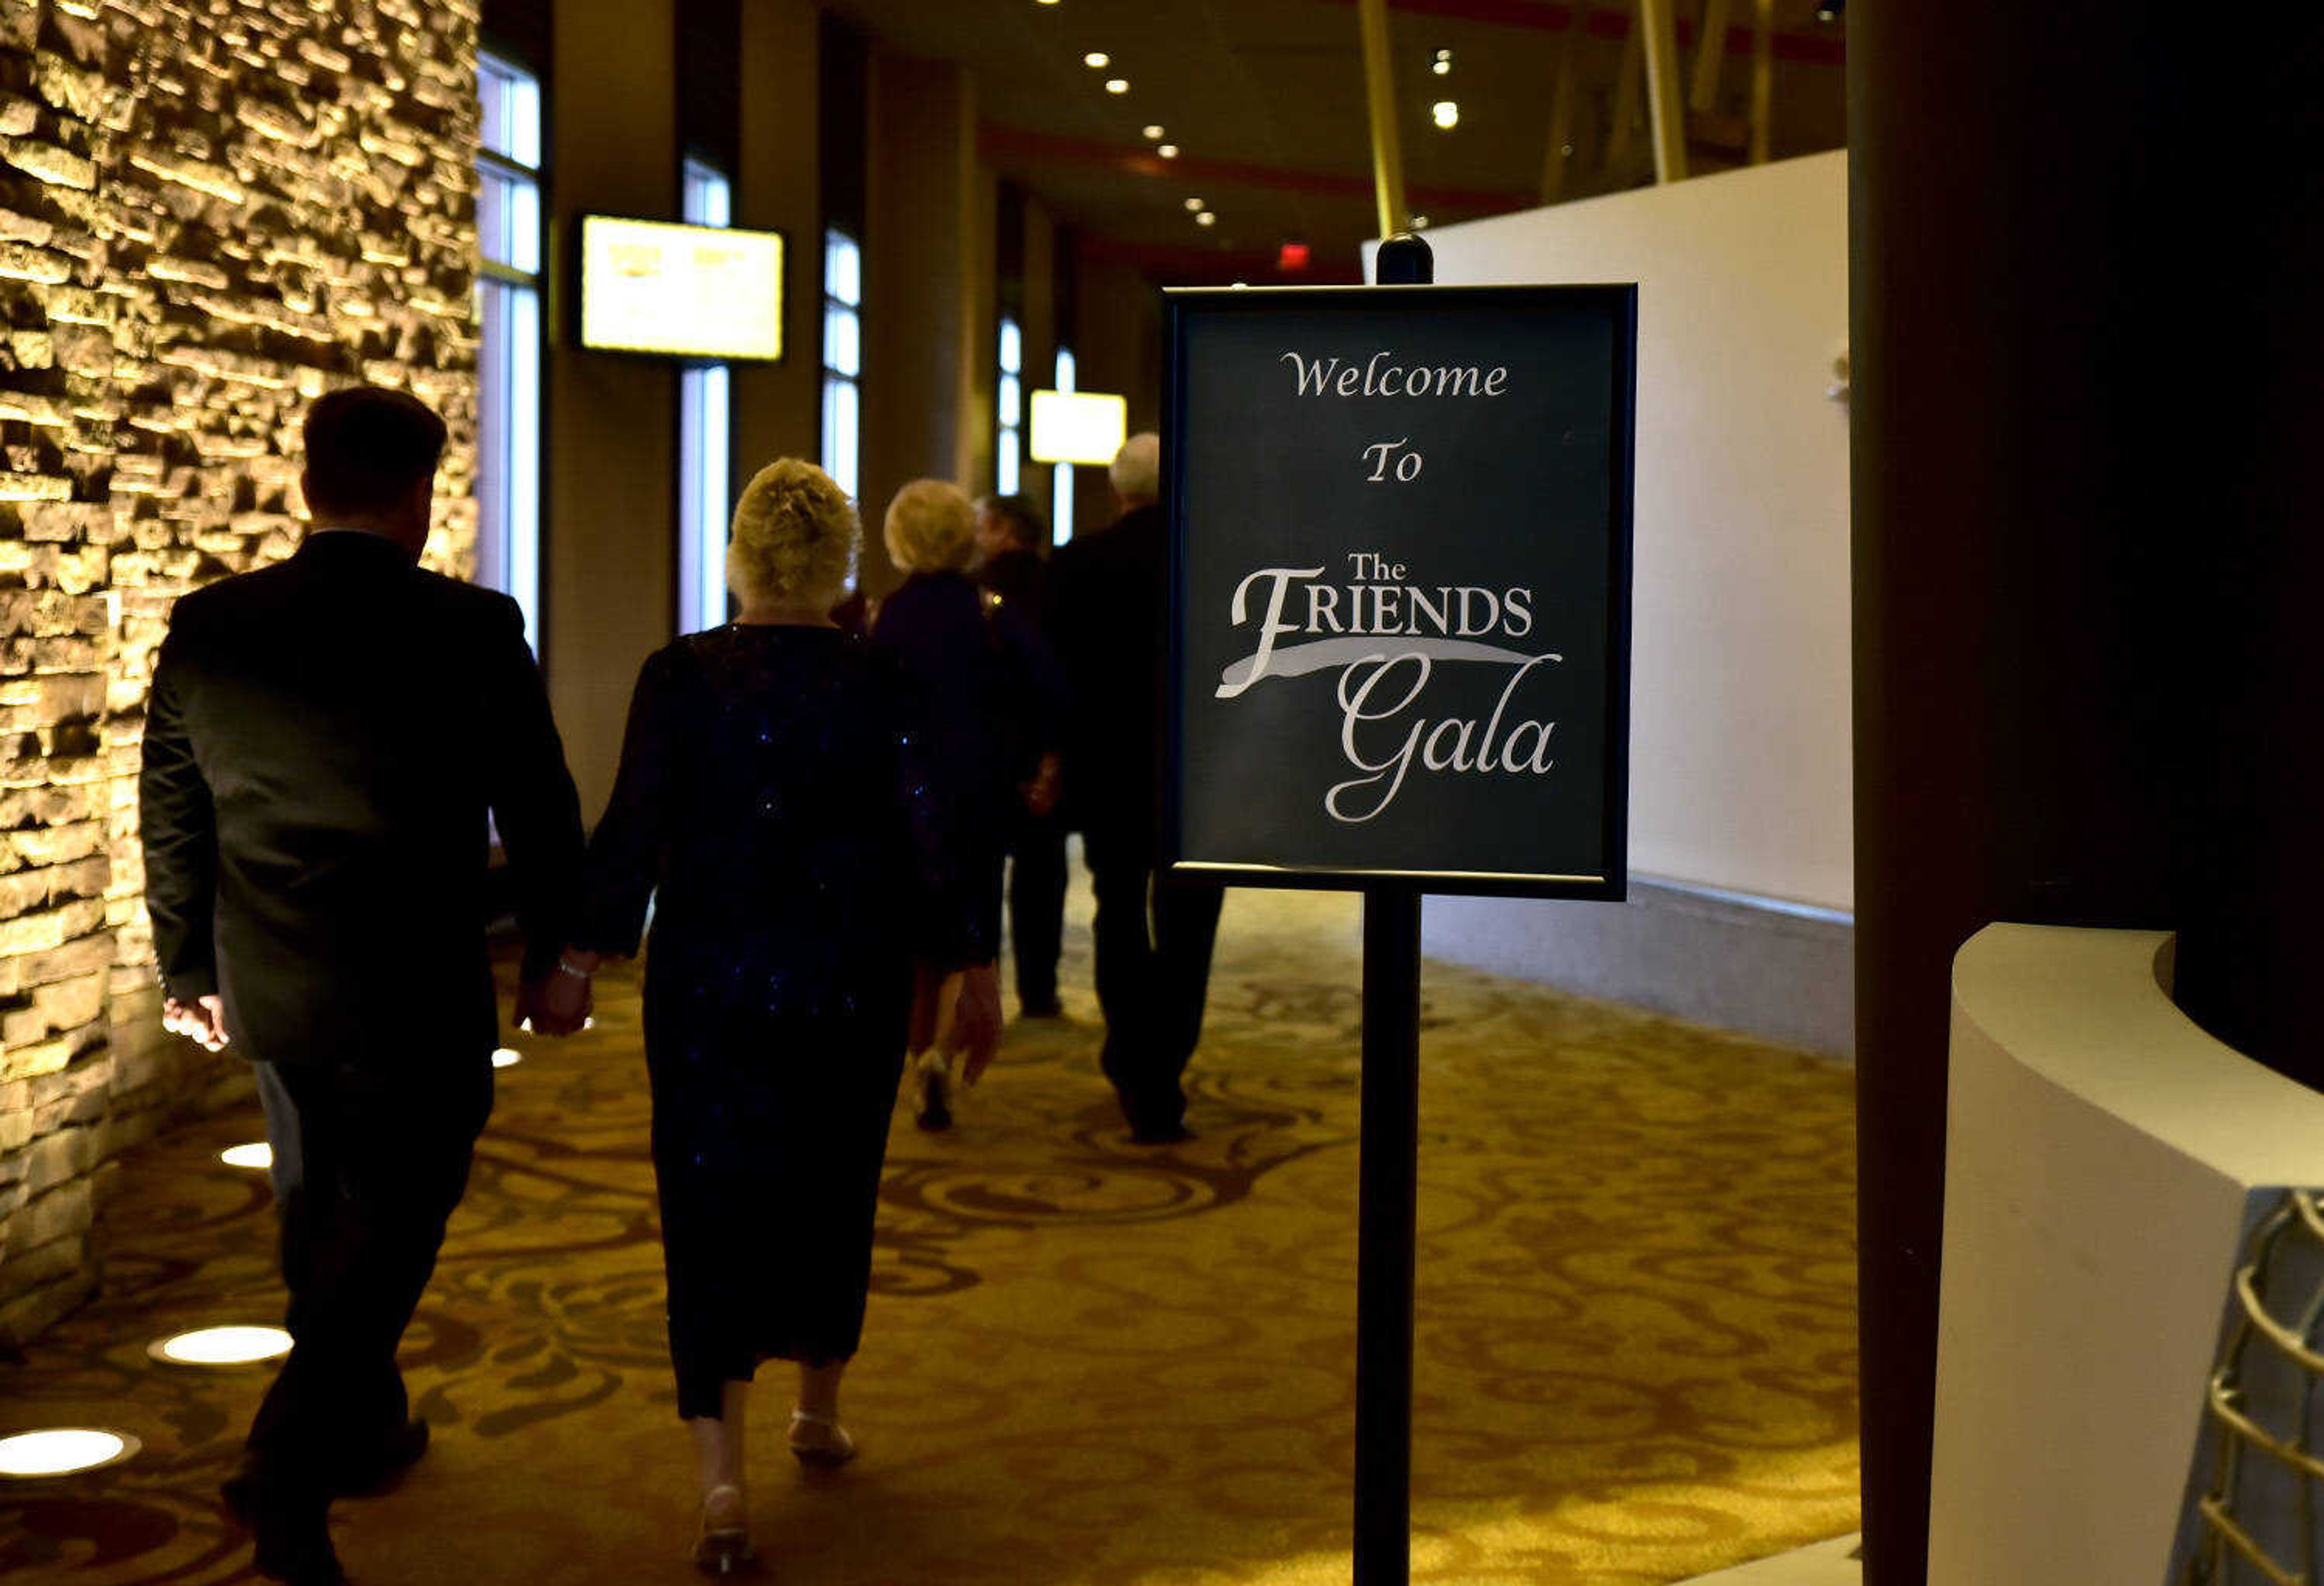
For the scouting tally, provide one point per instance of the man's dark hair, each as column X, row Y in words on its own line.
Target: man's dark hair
column 1026, row 525
column 366, row 448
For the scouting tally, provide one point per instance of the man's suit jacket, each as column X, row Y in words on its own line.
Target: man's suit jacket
column 323, row 742
column 1107, row 619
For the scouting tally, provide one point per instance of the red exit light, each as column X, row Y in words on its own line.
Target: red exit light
column 1291, row 256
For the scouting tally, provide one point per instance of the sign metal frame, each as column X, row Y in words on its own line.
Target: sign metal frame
column 1619, row 305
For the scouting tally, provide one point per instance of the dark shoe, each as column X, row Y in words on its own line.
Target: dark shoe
column 379, row 1467
column 1159, row 1134
column 294, row 1541
column 1051, row 1009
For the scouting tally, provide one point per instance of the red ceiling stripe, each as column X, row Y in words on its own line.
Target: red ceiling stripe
column 1000, row 144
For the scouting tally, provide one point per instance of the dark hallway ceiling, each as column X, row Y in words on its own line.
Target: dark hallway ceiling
column 1264, row 100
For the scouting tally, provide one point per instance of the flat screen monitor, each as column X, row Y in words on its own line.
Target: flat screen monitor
column 681, row 291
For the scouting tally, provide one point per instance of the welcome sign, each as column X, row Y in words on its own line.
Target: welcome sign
column 1401, row 532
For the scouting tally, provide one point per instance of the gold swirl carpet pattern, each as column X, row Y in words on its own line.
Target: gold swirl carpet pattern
column 1088, row 1363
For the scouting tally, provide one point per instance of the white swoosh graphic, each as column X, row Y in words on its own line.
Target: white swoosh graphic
column 1301, row 658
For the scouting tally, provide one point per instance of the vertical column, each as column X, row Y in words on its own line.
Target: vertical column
column 927, row 290
column 2086, row 564
column 612, row 420
column 776, row 405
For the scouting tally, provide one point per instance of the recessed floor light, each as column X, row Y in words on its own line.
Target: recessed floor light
column 1153, row 131
column 258, row 1155
column 1097, row 60
column 1195, row 204
column 1117, row 85
column 1167, row 151
column 222, row 1346
column 63, row 1450
column 1207, row 219
column 507, row 1058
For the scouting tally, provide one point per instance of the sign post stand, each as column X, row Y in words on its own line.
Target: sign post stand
column 1398, row 664
column 1388, row 1169
column 1388, row 1165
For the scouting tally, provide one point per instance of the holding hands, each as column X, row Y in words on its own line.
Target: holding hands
column 203, row 1020
column 558, row 1003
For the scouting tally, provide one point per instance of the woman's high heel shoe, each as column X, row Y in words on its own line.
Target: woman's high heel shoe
column 834, row 1449
column 721, row 1544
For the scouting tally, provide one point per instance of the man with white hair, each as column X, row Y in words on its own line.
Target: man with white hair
column 1108, row 616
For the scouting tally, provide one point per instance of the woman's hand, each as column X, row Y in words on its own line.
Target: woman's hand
column 968, row 1019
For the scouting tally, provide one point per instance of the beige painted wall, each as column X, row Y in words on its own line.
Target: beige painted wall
column 778, row 406
column 1739, row 771
column 612, row 427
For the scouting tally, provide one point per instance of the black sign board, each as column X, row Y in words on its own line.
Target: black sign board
column 1401, row 585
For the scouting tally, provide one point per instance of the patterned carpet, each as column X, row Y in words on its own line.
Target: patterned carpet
column 1086, row 1363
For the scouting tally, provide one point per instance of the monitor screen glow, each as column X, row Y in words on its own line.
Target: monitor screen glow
column 686, row 291
column 1078, row 427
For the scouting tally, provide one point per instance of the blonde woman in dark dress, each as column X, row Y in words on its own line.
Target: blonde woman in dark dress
column 773, row 804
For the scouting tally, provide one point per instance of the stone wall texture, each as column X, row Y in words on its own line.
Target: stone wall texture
column 211, row 211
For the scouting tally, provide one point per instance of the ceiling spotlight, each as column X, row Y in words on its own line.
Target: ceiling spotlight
column 1447, row 114
column 1443, row 65
column 222, row 1346
column 1207, row 219
column 1196, row 205
column 507, row 1058
column 1153, row 130
column 1420, row 223
column 1117, row 85
column 1167, row 151
column 1830, row 9
column 1097, row 60
column 259, row 1155
column 63, row 1450
column 1044, row 2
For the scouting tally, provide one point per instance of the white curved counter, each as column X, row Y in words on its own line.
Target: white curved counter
column 2105, row 1160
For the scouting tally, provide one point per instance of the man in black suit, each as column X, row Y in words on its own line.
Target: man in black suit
column 1109, row 610
column 324, row 742
column 1009, row 537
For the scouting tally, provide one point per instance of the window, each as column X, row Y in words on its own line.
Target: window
column 508, row 355
column 1011, row 446
column 1061, row 488
column 705, row 454
column 843, row 357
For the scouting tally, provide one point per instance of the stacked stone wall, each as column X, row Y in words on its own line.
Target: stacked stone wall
column 211, row 211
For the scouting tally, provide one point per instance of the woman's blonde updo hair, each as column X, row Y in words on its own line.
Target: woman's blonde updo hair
column 794, row 538
column 931, row 528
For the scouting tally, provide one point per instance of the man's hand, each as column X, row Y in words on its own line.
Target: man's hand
column 203, row 1020
column 968, row 1019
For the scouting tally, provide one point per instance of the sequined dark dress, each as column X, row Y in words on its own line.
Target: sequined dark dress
column 772, row 803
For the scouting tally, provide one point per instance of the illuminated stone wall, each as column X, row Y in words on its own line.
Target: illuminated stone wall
column 211, row 212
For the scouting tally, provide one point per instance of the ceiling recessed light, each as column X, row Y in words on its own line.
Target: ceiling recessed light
column 1419, row 222
column 63, row 1450
column 1044, row 2
column 1443, row 65
column 1195, row 204
column 1447, row 114
column 1117, row 85
column 507, row 1058
column 257, row 1155
column 1207, row 219
column 1167, row 151
column 222, row 1346
column 1097, row 60
column 1153, row 131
